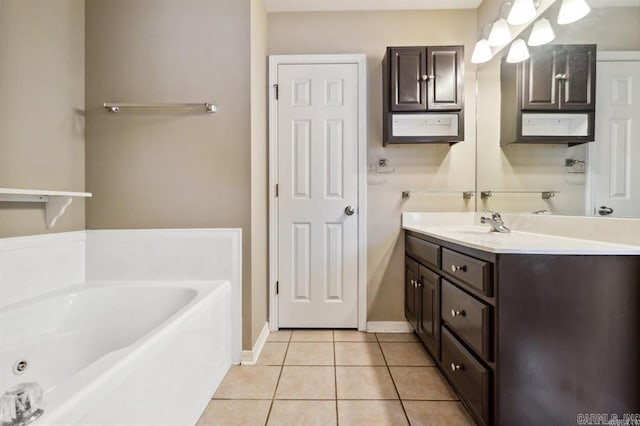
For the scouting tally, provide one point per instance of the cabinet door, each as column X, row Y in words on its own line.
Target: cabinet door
column 411, row 301
column 540, row 80
column 578, row 79
column 429, row 318
column 408, row 66
column 445, row 78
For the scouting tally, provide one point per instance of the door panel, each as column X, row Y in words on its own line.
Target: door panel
column 411, row 273
column 429, row 327
column 445, row 78
column 578, row 90
column 615, row 153
column 540, row 87
column 408, row 65
column 317, row 177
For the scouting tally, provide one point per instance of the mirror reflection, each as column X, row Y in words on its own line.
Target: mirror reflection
column 535, row 117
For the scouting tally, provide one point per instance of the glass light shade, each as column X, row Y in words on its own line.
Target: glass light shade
column 542, row 33
column 518, row 51
column 572, row 10
column 521, row 12
column 500, row 33
column 482, row 52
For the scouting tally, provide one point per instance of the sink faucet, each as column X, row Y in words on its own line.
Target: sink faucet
column 497, row 225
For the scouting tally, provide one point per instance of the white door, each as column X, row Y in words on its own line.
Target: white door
column 317, row 139
column 616, row 150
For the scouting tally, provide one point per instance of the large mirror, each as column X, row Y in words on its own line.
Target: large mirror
column 596, row 178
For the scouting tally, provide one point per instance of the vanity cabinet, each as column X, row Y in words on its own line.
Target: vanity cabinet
column 550, row 97
column 423, row 94
column 528, row 339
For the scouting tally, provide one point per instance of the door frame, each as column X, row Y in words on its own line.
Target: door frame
column 361, row 61
column 604, row 56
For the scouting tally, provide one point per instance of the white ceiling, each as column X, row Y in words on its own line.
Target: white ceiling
column 327, row 5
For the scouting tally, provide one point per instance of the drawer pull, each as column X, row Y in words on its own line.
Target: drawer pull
column 455, row 313
column 456, row 268
column 457, row 367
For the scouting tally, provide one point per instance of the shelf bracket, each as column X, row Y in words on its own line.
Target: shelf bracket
column 55, row 207
column 485, row 194
column 466, row 195
column 546, row 195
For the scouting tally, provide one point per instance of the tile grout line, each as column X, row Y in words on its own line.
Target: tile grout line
column 335, row 376
column 273, row 397
column 386, row 363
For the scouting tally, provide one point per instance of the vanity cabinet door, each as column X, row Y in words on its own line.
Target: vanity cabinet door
column 445, row 74
column 411, row 293
column 541, row 79
column 578, row 79
column 408, row 88
column 429, row 325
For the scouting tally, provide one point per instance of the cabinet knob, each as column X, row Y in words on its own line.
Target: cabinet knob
column 561, row 76
column 456, row 313
column 455, row 367
column 426, row 77
column 456, row 268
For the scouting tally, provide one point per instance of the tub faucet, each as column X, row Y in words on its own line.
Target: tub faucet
column 20, row 405
column 497, row 225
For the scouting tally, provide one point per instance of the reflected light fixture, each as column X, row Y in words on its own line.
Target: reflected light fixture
column 542, row 33
column 518, row 51
column 500, row 33
column 481, row 52
column 521, row 12
column 572, row 11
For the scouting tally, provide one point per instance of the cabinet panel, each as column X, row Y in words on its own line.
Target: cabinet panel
column 444, row 91
column 539, row 83
column 579, row 78
column 422, row 250
column 429, row 317
column 411, row 302
column 408, row 65
column 473, row 272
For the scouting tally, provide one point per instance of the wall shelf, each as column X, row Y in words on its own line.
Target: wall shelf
column 546, row 195
column 115, row 107
column 56, row 202
column 465, row 194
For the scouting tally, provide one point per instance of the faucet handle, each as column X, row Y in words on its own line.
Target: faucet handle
column 21, row 404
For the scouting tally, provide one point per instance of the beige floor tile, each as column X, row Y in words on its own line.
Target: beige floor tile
column 364, row 383
column 309, row 353
column 306, row 383
column 312, row 336
column 406, row 354
column 279, row 336
column 371, row 413
column 421, row 383
column 353, row 336
column 273, row 353
column 396, row 337
column 303, row 413
column 225, row 412
column 358, row 353
column 243, row 382
column 437, row 413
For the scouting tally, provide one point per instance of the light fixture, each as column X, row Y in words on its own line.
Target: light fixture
column 521, row 12
column 572, row 10
column 500, row 33
column 481, row 52
column 542, row 33
column 518, row 51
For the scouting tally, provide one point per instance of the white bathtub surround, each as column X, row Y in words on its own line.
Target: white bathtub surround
column 171, row 254
column 251, row 357
column 532, row 234
column 34, row 265
column 121, row 353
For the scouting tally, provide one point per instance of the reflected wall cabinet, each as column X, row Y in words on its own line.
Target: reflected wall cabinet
column 549, row 98
column 423, row 94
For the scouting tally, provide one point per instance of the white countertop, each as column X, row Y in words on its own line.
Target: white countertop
column 462, row 229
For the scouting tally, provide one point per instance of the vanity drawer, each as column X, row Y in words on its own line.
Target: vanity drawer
column 422, row 250
column 474, row 272
column 468, row 317
column 470, row 378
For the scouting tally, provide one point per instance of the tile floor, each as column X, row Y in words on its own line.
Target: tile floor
column 336, row 377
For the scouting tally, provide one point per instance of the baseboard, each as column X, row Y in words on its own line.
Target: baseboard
column 251, row 357
column 389, row 327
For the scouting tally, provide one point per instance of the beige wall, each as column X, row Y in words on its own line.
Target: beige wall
column 416, row 167
column 41, row 109
column 171, row 169
column 259, row 175
column 541, row 167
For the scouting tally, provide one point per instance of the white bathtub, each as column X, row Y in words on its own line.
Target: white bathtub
column 120, row 353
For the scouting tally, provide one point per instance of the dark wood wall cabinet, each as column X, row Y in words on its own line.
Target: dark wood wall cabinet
column 550, row 97
column 527, row 339
column 423, row 97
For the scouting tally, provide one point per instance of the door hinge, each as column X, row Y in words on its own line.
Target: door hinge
column 275, row 86
column 277, row 190
column 277, row 287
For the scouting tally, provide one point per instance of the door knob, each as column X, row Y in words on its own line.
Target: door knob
column 605, row 211
column 349, row 210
